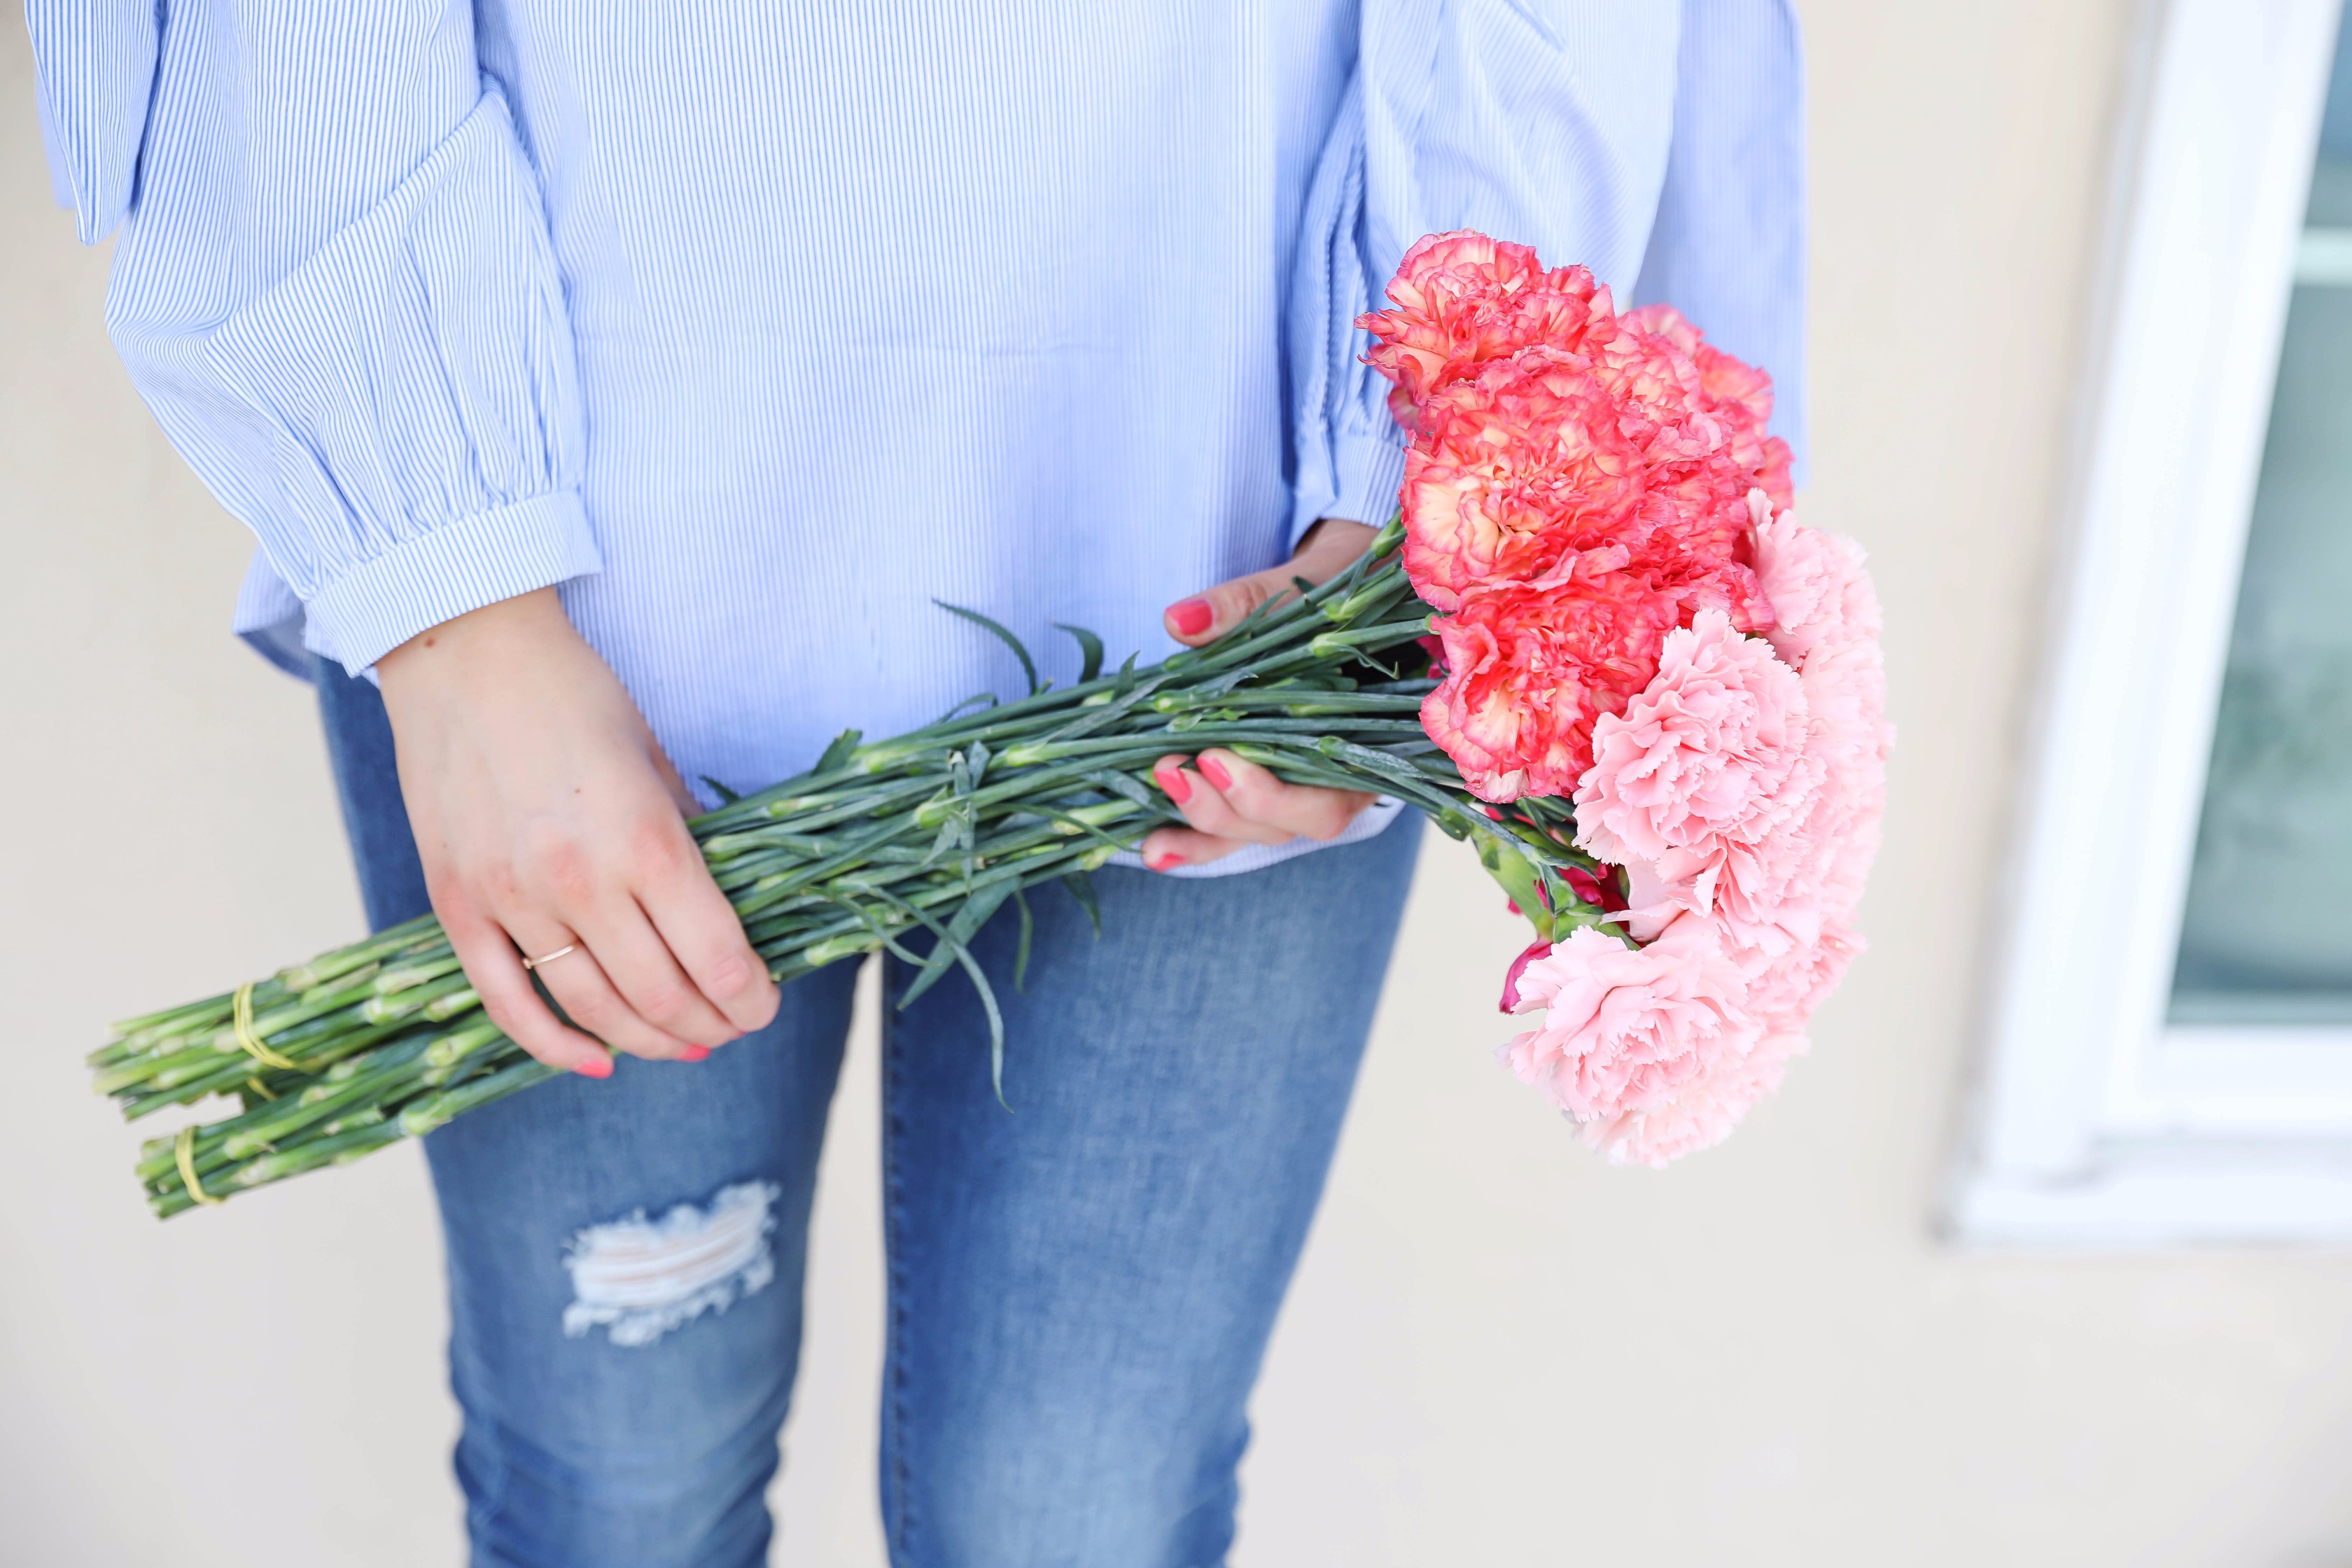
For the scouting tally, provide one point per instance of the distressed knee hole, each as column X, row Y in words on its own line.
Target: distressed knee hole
column 639, row 1278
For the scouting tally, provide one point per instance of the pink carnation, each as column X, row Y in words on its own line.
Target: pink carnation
column 1776, row 893
column 1710, row 751
column 1589, row 500
column 1628, row 1029
column 1782, row 991
column 1819, row 591
column 1765, row 898
column 1704, row 1113
column 1771, row 891
column 1847, row 867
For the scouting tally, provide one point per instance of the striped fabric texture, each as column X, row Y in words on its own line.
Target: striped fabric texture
column 759, row 327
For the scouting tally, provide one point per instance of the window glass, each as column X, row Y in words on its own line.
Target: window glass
column 2267, row 934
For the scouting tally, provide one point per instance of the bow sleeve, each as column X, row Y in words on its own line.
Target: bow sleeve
column 335, row 289
column 1727, row 250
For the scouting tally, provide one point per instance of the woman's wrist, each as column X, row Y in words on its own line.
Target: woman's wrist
column 480, row 639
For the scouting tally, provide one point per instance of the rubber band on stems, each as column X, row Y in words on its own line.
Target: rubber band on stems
column 183, row 1151
column 241, row 1020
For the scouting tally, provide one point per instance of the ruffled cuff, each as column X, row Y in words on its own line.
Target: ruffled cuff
column 433, row 577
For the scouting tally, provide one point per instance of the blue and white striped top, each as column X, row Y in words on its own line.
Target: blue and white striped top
column 759, row 327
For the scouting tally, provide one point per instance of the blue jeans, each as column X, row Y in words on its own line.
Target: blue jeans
column 1080, row 1287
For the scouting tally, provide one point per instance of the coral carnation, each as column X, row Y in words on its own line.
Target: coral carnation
column 1516, row 474
column 1734, row 393
column 1529, row 670
column 1460, row 300
column 1545, row 467
column 1595, row 506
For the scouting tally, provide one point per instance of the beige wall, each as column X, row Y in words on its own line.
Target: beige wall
column 1498, row 1351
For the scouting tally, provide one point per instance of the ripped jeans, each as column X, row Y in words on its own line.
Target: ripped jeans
column 1080, row 1288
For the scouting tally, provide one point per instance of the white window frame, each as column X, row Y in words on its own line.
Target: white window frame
column 2096, row 1123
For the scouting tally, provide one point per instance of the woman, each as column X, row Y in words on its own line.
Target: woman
column 617, row 393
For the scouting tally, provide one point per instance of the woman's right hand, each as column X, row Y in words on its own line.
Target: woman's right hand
column 547, row 815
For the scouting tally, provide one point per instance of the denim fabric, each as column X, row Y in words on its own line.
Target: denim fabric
column 1080, row 1287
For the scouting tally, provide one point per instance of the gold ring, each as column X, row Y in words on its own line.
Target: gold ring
column 550, row 957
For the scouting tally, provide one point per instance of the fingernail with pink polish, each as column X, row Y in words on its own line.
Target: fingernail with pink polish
column 598, row 1066
column 1214, row 771
column 1191, row 617
column 1171, row 779
column 694, row 1054
column 1164, row 859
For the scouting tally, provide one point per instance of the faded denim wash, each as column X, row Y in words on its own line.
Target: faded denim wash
column 1080, row 1287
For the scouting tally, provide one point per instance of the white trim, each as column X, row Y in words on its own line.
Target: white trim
column 2143, row 1201
column 2087, row 1099
column 2235, row 1080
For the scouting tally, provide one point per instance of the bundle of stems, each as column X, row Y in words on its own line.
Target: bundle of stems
column 924, row 836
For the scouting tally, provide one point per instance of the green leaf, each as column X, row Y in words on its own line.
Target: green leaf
column 961, row 927
column 980, row 983
column 1125, row 678
column 1090, row 644
column 882, row 936
column 1020, row 649
column 955, row 833
column 727, row 796
column 1028, row 933
column 1101, row 715
column 1082, row 888
column 1124, row 784
column 1083, row 826
column 979, row 699
column 836, row 755
column 1372, row 762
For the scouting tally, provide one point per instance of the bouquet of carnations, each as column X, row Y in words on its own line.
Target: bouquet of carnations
column 1594, row 643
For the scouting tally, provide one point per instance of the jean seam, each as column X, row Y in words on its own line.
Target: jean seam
column 490, row 1506
column 896, row 1420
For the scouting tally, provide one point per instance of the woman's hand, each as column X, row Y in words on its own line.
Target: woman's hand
column 547, row 816
column 1228, row 800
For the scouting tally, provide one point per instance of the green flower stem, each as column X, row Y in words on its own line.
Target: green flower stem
column 414, row 972
column 929, row 831
column 231, row 1072
column 442, row 1109
column 424, row 931
column 276, row 1167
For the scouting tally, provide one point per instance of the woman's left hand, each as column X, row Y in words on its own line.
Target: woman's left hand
column 1228, row 800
